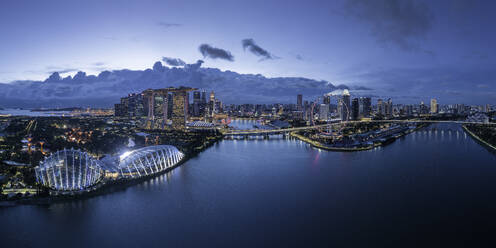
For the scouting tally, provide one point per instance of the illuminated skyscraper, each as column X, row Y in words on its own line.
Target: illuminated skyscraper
column 196, row 97
column 299, row 102
column 324, row 111
column 434, row 106
column 364, row 107
column 212, row 96
column 389, row 108
column 380, row 107
column 346, row 106
column 179, row 109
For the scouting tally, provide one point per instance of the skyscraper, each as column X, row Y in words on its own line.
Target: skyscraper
column 327, row 99
column 204, row 97
column 212, row 96
column 434, row 106
column 179, row 109
column 365, row 107
column 346, row 106
column 299, row 102
column 389, row 108
column 354, row 109
column 196, row 103
column 324, row 112
column 196, row 97
column 380, row 107
column 211, row 104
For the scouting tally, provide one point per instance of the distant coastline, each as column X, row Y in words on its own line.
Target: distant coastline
column 33, row 112
column 55, row 109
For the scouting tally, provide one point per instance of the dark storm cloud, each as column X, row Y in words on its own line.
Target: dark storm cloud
column 399, row 22
column 209, row 51
column 168, row 24
column 173, row 61
column 255, row 49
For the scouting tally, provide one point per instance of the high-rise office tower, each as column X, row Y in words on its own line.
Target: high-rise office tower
column 354, row 109
column 204, row 97
column 212, row 96
column 380, row 107
column 218, row 106
column 327, row 99
column 365, row 105
column 211, row 104
column 434, row 106
column 346, row 106
column 196, row 97
column 389, row 108
column 179, row 109
column 186, row 104
column 324, row 112
column 196, row 103
column 299, row 102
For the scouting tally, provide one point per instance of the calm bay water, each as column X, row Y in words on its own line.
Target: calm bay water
column 436, row 183
column 27, row 112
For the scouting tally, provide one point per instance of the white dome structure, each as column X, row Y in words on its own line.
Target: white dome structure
column 148, row 160
column 69, row 170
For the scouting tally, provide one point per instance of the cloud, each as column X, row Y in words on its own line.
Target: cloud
column 52, row 69
column 173, row 61
column 215, row 53
column 399, row 22
column 105, row 89
column 299, row 57
column 98, row 64
column 255, row 49
column 168, row 24
column 195, row 66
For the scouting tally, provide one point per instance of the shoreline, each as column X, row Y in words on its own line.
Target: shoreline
column 352, row 149
column 328, row 148
column 109, row 187
column 478, row 139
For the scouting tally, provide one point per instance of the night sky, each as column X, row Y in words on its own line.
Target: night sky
column 408, row 50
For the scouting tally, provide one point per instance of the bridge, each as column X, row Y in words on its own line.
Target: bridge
column 255, row 132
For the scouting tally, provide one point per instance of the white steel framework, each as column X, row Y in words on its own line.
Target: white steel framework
column 69, row 170
column 148, row 160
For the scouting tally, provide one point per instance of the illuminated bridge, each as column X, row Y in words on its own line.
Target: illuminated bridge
column 255, row 132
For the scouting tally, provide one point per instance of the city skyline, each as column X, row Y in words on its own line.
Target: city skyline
column 228, row 123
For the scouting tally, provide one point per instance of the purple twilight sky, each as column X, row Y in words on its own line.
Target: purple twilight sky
column 408, row 50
